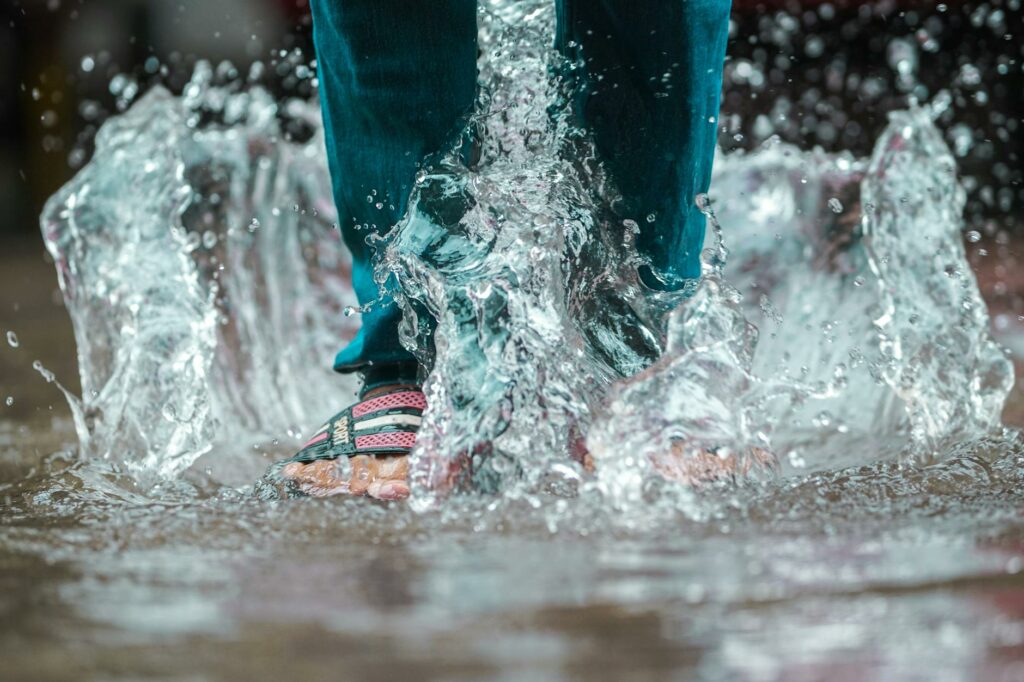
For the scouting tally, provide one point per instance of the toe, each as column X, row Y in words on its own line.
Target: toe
column 316, row 479
column 364, row 473
column 384, row 489
column 390, row 482
column 292, row 470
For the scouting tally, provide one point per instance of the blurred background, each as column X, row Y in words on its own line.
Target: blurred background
column 64, row 64
column 810, row 72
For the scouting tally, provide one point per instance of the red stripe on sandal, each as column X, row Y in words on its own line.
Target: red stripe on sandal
column 405, row 399
column 394, row 439
column 315, row 439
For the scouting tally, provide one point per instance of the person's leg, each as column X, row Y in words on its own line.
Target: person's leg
column 650, row 95
column 396, row 80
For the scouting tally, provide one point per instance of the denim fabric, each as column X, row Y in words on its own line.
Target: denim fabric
column 398, row 78
column 652, row 82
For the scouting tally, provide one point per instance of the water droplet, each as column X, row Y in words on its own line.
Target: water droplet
column 12, row 339
column 835, row 205
column 970, row 75
column 209, row 239
column 9, row 401
column 88, row 63
column 46, row 374
column 974, row 236
column 651, row 217
column 192, row 240
column 962, row 137
column 769, row 310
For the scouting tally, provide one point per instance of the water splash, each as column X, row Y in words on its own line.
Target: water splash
column 879, row 345
column 875, row 340
column 532, row 285
column 203, row 298
column 207, row 289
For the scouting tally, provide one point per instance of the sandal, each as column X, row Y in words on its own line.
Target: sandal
column 385, row 424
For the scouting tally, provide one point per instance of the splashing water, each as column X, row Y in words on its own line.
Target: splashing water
column 874, row 339
column 206, row 289
column 203, row 298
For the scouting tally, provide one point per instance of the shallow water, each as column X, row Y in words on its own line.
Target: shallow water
column 863, row 574
column 877, row 534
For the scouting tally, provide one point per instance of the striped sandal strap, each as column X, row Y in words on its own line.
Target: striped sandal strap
column 383, row 425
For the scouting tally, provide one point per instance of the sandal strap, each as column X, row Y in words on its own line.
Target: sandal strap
column 384, row 424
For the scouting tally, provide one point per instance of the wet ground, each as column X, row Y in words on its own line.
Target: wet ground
column 878, row 573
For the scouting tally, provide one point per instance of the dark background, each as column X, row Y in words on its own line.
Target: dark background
column 814, row 73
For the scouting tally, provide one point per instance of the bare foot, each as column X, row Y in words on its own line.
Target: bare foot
column 697, row 467
column 383, row 477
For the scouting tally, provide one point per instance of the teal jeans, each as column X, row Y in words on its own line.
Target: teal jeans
column 398, row 80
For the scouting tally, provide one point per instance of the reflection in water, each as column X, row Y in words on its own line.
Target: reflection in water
column 245, row 588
